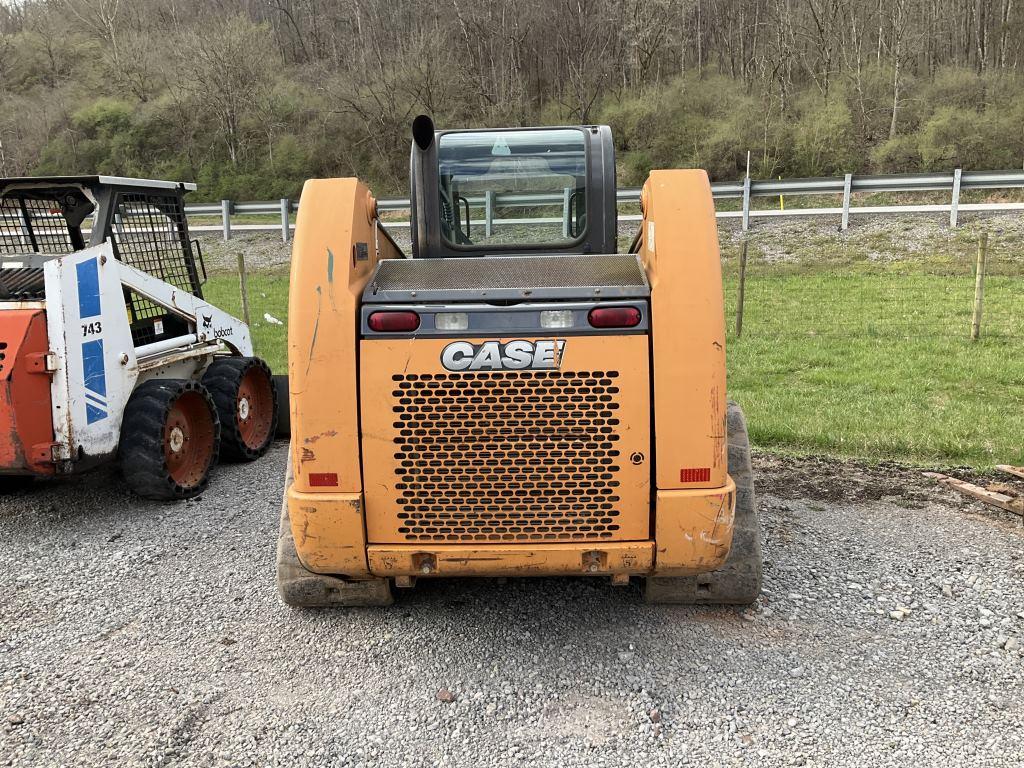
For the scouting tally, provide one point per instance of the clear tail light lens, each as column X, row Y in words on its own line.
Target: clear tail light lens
column 451, row 321
column 556, row 318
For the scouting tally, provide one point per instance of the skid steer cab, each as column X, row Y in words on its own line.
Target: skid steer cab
column 108, row 350
column 521, row 397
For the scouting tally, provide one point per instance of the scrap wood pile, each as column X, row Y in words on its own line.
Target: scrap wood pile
column 1002, row 495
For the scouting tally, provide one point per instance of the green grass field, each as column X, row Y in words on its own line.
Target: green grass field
column 268, row 294
column 863, row 360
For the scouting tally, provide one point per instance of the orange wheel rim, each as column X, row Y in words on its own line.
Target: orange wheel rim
column 188, row 439
column 254, row 408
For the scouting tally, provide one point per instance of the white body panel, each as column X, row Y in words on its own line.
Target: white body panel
column 88, row 328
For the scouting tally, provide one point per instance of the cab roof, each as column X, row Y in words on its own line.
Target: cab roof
column 107, row 181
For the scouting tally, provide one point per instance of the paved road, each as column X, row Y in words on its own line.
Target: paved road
column 137, row 633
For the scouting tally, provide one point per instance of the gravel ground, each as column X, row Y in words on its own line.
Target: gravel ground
column 138, row 633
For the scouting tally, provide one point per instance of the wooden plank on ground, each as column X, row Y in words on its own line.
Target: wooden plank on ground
column 1018, row 471
column 1013, row 504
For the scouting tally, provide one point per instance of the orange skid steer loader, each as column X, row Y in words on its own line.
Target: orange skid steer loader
column 518, row 398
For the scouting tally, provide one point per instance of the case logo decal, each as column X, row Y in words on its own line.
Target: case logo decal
column 520, row 354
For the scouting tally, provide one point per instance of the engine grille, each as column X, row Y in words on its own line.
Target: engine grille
column 507, row 456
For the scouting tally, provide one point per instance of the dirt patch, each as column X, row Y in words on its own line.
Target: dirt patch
column 824, row 478
column 592, row 719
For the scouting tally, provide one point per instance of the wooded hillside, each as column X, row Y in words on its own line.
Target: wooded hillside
column 250, row 97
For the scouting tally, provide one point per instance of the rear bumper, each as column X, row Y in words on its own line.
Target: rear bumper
column 592, row 559
column 693, row 535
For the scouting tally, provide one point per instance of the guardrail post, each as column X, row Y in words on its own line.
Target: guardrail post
column 566, row 212
column 955, row 204
column 286, row 213
column 489, row 212
column 847, row 187
column 225, row 217
column 746, row 203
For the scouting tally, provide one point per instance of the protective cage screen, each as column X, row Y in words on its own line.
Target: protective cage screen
column 33, row 225
column 148, row 234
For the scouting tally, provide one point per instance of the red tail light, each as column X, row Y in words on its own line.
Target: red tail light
column 394, row 322
column 614, row 317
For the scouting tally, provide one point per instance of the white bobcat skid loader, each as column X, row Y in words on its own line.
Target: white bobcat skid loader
column 107, row 347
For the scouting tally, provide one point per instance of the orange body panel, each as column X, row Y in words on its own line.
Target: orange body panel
column 328, row 532
column 680, row 254
column 26, row 420
column 336, row 248
column 693, row 530
column 465, row 469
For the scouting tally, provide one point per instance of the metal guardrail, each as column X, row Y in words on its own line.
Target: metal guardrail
column 954, row 182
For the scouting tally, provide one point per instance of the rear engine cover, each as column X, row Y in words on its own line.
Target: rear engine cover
column 497, row 445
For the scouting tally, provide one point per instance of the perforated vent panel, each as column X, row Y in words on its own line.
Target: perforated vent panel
column 506, row 456
column 509, row 456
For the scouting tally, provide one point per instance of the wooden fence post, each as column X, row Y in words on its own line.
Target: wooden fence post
column 742, row 289
column 244, row 284
column 979, row 286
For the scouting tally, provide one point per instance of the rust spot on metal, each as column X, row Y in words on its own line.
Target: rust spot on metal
column 314, row 438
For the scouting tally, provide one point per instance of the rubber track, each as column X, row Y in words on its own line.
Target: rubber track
column 738, row 581
column 302, row 588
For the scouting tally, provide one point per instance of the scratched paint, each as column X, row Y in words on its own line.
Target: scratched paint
column 313, row 438
column 316, row 329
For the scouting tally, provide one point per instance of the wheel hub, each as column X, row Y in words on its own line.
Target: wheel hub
column 243, row 408
column 176, row 439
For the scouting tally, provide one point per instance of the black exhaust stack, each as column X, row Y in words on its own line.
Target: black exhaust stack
column 423, row 132
column 422, row 177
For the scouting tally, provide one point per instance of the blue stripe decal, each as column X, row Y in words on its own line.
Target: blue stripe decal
column 88, row 288
column 92, row 413
column 95, row 378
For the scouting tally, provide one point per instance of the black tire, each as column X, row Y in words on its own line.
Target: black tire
column 170, row 436
column 243, row 391
column 284, row 415
column 738, row 581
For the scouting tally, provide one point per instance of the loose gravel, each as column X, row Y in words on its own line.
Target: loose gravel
column 140, row 633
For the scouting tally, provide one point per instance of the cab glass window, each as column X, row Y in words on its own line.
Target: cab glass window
column 510, row 189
